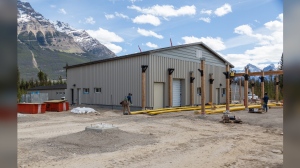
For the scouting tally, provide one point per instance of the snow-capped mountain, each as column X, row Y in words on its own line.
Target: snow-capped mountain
column 56, row 35
column 49, row 46
column 270, row 67
column 84, row 40
column 253, row 68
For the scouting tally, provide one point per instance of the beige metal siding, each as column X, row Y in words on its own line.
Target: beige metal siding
column 115, row 78
column 159, row 73
column 119, row 77
column 189, row 54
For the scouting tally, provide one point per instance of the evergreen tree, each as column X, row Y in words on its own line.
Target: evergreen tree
column 281, row 76
column 18, row 85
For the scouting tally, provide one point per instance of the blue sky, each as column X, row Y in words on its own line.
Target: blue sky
column 242, row 31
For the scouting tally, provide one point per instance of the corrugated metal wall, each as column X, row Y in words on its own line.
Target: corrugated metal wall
column 119, row 77
column 52, row 94
column 159, row 73
column 115, row 78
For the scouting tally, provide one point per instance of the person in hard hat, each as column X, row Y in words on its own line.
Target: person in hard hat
column 126, row 104
column 265, row 100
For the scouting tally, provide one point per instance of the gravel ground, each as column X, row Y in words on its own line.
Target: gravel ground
column 58, row 139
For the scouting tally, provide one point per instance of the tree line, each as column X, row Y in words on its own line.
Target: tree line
column 43, row 80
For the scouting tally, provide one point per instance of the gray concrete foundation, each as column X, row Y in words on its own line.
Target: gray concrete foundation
column 101, row 127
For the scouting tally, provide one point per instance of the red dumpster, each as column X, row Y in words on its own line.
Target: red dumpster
column 57, row 105
column 31, row 108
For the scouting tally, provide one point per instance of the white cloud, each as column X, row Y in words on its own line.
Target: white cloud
column 274, row 25
column 263, row 39
column 144, row 19
column 62, row 11
column 121, row 15
column 280, row 17
column 243, row 29
column 114, row 48
column 90, row 20
column 223, row 10
column 214, row 43
column 52, row 6
column 207, row 19
column 133, row 1
column 149, row 33
column 151, row 45
column 166, row 10
column 109, row 16
column 107, row 38
column 203, row 11
column 269, row 45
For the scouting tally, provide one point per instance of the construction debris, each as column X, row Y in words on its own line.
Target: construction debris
column 226, row 118
column 256, row 110
column 82, row 110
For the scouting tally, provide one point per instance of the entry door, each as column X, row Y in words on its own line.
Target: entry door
column 78, row 96
column 176, row 92
column 158, row 95
column 218, row 96
column 72, row 95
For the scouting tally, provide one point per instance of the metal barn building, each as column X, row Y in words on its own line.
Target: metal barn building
column 55, row 92
column 171, row 78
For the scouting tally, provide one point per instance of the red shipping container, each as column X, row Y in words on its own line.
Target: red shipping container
column 57, row 106
column 31, row 108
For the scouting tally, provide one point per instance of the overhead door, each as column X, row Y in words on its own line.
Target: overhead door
column 176, row 92
column 158, row 95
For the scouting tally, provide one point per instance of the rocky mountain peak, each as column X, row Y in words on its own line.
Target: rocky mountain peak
column 253, row 68
column 270, row 67
column 52, row 44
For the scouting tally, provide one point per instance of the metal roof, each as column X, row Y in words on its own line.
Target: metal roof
column 53, row 87
column 150, row 52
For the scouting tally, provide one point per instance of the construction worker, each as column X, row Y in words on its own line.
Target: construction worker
column 126, row 103
column 265, row 100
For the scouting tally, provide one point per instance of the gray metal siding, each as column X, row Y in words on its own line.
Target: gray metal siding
column 158, row 71
column 189, row 54
column 52, row 94
column 119, row 77
column 115, row 78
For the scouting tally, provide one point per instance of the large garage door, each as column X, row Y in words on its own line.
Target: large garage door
column 158, row 95
column 176, row 92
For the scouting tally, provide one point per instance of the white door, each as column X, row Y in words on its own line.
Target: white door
column 78, row 96
column 158, row 95
column 176, row 92
column 217, row 96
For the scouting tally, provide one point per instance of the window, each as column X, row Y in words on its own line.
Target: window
column 57, row 93
column 86, row 90
column 97, row 90
column 199, row 91
column 223, row 92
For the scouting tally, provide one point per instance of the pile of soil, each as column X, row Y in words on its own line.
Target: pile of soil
column 87, row 142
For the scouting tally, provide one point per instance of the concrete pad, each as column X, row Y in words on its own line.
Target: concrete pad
column 101, row 127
